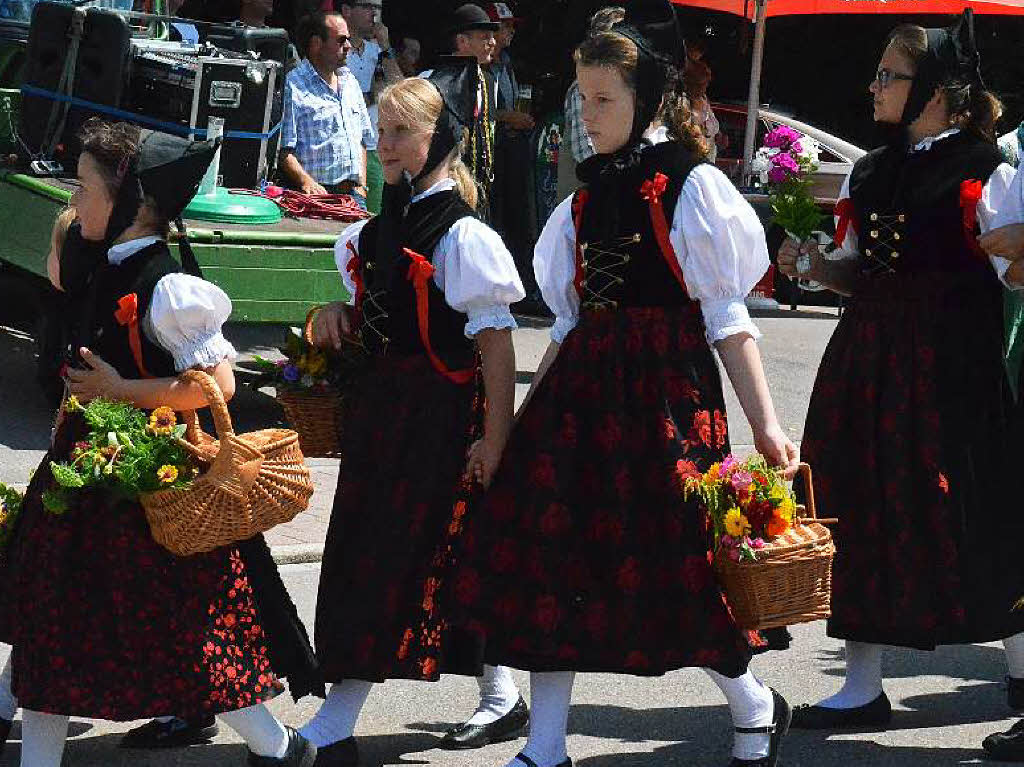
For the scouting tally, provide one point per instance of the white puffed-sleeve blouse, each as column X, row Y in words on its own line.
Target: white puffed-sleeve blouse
column 472, row 267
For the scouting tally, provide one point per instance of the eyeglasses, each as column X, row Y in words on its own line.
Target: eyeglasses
column 885, row 77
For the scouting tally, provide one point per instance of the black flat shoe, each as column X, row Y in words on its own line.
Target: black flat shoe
column 5, row 731
column 877, row 713
column 1015, row 693
column 344, row 753
column 1006, row 746
column 175, row 733
column 466, row 736
column 530, row 763
column 781, row 717
column 300, row 753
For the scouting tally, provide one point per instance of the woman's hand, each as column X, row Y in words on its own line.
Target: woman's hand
column 99, row 380
column 778, row 449
column 482, row 461
column 1006, row 241
column 791, row 250
column 331, row 325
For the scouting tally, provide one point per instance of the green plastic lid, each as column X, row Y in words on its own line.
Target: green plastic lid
column 223, row 207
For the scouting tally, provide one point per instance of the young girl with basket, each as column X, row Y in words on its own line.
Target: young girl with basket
column 584, row 554
column 911, row 420
column 432, row 287
column 106, row 623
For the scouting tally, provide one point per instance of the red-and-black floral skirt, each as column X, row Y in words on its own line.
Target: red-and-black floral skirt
column 397, row 512
column 584, row 555
column 107, row 624
column 912, row 437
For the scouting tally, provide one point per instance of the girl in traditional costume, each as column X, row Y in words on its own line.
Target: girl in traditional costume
column 910, row 425
column 104, row 622
column 432, row 287
column 585, row 554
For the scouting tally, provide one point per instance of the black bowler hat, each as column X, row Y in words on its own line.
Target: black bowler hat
column 469, row 17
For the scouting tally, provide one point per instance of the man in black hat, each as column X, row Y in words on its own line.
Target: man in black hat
column 471, row 34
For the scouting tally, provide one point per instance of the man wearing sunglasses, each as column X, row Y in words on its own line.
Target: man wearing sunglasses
column 373, row 63
column 326, row 129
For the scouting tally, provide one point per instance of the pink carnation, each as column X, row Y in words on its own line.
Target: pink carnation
column 782, row 137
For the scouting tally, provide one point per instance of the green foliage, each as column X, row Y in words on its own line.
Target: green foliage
column 10, row 508
column 125, row 452
column 794, row 208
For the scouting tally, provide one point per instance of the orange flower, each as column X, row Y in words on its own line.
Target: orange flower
column 167, row 474
column 162, row 421
column 778, row 525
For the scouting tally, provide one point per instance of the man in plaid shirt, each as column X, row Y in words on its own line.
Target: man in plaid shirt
column 326, row 128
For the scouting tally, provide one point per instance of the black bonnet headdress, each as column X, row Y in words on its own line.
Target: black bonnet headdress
column 952, row 57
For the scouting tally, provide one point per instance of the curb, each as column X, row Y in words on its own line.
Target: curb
column 298, row 554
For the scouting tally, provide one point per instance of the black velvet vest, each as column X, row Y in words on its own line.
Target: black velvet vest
column 104, row 335
column 621, row 258
column 390, row 325
column 909, row 215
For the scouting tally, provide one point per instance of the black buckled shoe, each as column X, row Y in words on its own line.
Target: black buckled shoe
column 1015, row 693
column 175, row 733
column 530, row 763
column 877, row 713
column 465, row 736
column 5, row 731
column 300, row 753
column 1006, row 746
column 781, row 717
column 344, row 753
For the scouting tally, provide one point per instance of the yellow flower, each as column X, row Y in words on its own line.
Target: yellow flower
column 167, row 474
column 711, row 475
column 777, row 493
column 787, row 509
column 71, row 404
column 736, row 524
column 316, row 364
column 162, row 421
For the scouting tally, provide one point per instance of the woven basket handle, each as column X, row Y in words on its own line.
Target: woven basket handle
column 805, row 471
column 215, row 399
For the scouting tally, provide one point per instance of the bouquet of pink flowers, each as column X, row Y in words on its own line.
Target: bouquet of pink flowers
column 784, row 164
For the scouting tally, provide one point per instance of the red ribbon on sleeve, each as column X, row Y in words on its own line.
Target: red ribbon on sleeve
column 971, row 192
column 354, row 268
column 652, row 190
column 420, row 271
column 127, row 315
column 845, row 211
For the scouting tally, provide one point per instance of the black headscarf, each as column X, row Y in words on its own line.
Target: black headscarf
column 168, row 169
column 457, row 79
column 952, row 57
column 653, row 27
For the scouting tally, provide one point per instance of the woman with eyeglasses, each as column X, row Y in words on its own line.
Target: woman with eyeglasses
column 910, row 427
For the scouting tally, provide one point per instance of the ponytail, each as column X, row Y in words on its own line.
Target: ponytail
column 465, row 183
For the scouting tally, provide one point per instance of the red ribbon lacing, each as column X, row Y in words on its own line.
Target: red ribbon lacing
column 127, row 315
column 845, row 211
column 579, row 202
column 970, row 195
column 420, row 271
column 652, row 190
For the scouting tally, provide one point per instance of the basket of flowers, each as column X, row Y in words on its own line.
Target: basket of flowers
column 309, row 382
column 200, row 492
column 773, row 557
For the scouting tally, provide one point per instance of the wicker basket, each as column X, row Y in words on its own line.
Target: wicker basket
column 791, row 580
column 254, row 482
column 315, row 416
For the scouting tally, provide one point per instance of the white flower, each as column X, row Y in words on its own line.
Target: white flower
column 307, row 381
column 112, row 439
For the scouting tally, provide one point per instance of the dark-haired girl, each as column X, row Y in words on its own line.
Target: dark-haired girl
column 910, row 424
column 105, row 623
column 585, row 555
